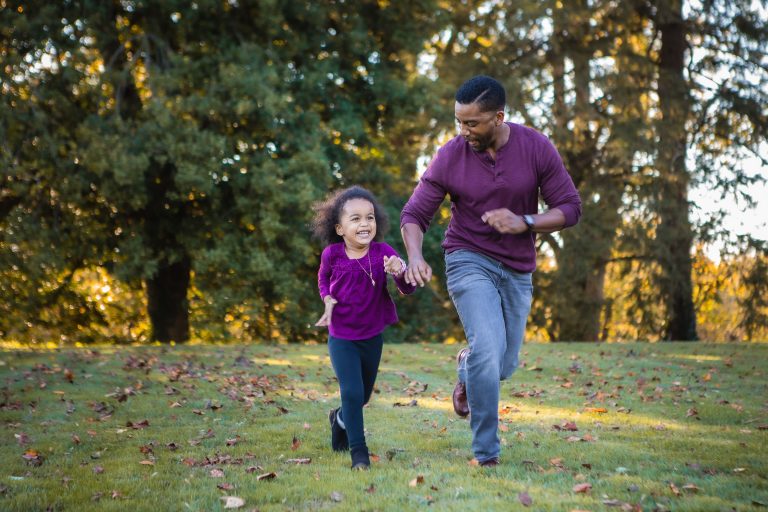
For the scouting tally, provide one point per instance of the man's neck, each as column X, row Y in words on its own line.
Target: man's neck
column 502, row 136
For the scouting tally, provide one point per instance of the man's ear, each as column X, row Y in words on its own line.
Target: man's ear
column 499, row 117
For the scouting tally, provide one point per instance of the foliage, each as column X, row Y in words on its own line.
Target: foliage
column 171, row 151
column 180, row 145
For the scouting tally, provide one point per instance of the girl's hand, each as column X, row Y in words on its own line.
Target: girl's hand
column 393, row 265
column 325, row 320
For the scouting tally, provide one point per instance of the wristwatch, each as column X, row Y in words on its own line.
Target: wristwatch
column 528, row 219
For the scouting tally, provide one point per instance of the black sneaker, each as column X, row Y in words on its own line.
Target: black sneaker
column 360, row 459
column 339, row 441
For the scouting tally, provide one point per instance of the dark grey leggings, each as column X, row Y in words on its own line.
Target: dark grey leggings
column 356, row 364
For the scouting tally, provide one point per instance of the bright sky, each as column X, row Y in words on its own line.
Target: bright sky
column 740, row 219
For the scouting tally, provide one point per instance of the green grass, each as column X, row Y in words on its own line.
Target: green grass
column 676, row 415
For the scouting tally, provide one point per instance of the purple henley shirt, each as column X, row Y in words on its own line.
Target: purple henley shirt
column 363, row 310
column 528, row 164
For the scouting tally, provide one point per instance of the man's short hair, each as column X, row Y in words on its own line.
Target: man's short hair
column 488, row 93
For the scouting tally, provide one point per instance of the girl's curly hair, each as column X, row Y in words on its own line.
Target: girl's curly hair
column 328, row 214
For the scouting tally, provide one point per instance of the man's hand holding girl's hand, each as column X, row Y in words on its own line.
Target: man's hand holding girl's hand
column 325, row 320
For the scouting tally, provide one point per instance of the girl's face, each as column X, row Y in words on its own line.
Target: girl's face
column 357, row 225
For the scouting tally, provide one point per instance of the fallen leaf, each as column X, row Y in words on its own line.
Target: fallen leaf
column 582, row 488
column 33, row 457
column 267, row 476
column 298, row 461
column 568, row 425
column 141, row 424
column 374, row 457
column 233, row 502
column 217, row 473
column 674, row 488
column 97, row 470
column 225, row 486
column 691, row 488
column 416, row 481
column 525, row 499
column 147, row 462
column 371, row 489
column 21, row 438
column 295, row 443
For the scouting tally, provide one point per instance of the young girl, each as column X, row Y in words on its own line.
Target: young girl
column 353, row 285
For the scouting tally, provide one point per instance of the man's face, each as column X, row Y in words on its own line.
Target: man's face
column 478, row 128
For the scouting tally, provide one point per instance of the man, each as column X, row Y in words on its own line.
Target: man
column 493, row 172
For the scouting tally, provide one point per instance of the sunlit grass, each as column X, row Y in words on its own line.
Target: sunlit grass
column 659, row 427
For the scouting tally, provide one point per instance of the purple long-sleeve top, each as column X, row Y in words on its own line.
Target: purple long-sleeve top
column 528, row 164
column 363, row 310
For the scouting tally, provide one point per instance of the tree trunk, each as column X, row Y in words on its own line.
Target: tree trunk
column 674, row 234
column 168, row 306
column 578, row 286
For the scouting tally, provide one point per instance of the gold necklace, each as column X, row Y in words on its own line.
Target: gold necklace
column 369, row 273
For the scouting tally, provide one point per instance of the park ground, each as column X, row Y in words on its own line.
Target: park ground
column 631, row 426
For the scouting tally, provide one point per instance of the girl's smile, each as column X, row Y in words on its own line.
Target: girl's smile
column 357, row 224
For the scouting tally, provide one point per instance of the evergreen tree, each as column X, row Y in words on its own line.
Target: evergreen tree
column 182, row 144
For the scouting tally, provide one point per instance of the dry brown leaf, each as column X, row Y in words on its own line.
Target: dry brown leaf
column 295, row 443
column 217, row 473
column 416, row 481
column 267, row 476
column 582, row 488
column 525, row 499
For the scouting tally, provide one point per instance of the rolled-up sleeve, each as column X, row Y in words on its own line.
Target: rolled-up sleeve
column 556, row 186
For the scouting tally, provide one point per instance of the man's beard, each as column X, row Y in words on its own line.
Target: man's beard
column 482, row 144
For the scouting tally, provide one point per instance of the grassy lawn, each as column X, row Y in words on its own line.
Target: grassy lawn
column 679, row 427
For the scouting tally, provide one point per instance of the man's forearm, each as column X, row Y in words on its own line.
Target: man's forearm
column 413, row 238
column 549, row 221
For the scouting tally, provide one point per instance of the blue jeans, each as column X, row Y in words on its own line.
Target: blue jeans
column 356, row 364
column 493, row 302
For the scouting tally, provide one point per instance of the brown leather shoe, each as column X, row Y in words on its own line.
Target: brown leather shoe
column 460, row 405
column 490, row 463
